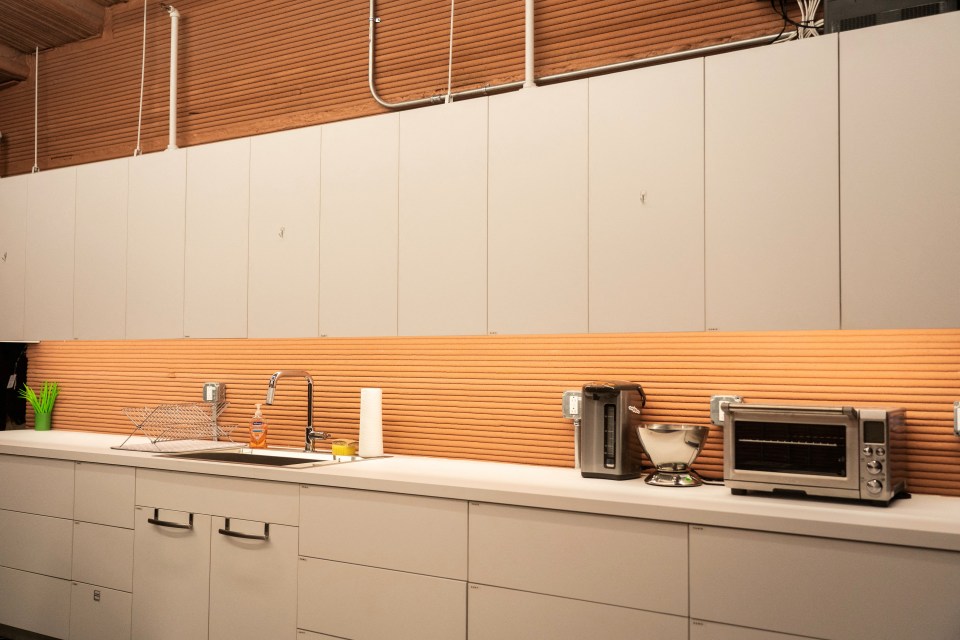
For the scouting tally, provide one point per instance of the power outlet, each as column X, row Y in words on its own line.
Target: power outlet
column 572, row 401
column 718, row 407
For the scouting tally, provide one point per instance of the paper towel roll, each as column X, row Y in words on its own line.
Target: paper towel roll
column 371, row 423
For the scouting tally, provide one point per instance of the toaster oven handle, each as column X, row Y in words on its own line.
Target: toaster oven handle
column 747, row 409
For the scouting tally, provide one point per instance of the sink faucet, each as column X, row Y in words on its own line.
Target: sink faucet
column 310, row 436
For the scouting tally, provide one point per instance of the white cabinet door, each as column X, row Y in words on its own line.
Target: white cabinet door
column 899, row 150
column 831, row 589
column 703, row 630
column 253, row 581
column 358, row 227
column 504, row 614
column 363, row 603
column 171, row 575
column 37, row 485
column 772, row 188
column 284, row 234
column 216, row 255
column 646, row 199
column 155, row 241
column 417, row 534
column 443, row 220
column 583, row 556
column 97, row 613
column 537, row 201
column 104, row 494
column 36, row 603
column 40, row 544
column 13, row 246
column 99, row 305
column 103, row 555
column 51, row 216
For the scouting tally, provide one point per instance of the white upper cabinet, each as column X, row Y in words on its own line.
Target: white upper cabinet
column 51, row 214
column 537, row 198
column 155, row 241
column 284, row 234
column 13, row 244
column 772, row 188
column 217, row 228
column 443, row 220
column 358, row 227
column 99, row 305
column 646, row 199
column 899, row 153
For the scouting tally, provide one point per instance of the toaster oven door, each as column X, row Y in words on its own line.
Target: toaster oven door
column 812, row 449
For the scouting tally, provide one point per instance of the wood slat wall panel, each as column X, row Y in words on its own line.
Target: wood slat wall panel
column 249, row 67
column 498, row 397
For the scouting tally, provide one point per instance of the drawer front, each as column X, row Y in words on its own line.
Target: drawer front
column 362, row 603
column 602, row 559
column 104, row 494
column 36, row 603
column 103, row 555
column 40, row 544
column 277, row 502
column 386, row 530
column 505, row 614
column 97, row 613
column 258, row 573
column 858, row 590
column 37, row 485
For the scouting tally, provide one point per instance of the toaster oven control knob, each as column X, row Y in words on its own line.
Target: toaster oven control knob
column 874, row 467
column 868, row 450
column 881, row 451
column 874, row 486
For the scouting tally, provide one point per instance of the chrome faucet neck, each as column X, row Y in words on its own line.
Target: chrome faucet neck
column 309, row 435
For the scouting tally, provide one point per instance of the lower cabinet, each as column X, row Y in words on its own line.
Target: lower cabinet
column 822, row 588
column 35, row 602
column 366, row 603
column 98, row 613
column 505, row 614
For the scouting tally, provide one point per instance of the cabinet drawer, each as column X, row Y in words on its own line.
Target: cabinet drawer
column 40, row 544
column 505, row 614
column 97, row 613
column 362, row 603
column 857, row 590
column 603, row 559
column 276, row 502
column 259, row 574
column 35, row 603
column 37, row 485
column 703, row 630
column 103, row 555
column 387, row 530
column 104, row 494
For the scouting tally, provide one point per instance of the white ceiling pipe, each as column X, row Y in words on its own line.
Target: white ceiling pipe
column 174, row 29
column 529, row 76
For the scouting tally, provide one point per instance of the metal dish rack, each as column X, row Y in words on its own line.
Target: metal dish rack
column 175, row 428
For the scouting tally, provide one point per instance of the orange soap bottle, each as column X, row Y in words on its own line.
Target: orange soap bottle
column 258, row 431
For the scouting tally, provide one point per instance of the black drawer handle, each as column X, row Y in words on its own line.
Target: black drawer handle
column 246, row 536
column 166, row 523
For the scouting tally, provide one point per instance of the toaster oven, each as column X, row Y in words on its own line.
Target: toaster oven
column 840, row 452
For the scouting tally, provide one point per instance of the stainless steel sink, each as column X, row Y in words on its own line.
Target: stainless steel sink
column 288, row 458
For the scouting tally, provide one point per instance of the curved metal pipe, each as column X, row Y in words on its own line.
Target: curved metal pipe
column 559, row 77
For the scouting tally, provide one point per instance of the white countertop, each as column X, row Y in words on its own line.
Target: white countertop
column 922, row 521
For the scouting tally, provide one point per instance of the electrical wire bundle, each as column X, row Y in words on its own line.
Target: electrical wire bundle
column 808, row 26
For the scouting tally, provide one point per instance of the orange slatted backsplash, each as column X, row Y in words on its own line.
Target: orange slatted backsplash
column 498, row 397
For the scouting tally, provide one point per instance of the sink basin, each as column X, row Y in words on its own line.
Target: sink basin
column 288, row 458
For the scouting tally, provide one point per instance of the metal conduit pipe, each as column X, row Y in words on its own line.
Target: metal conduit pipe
column 559, row 77
column 174, row 37
column 529, row 73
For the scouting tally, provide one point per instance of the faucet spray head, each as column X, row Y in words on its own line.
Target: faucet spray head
column 271, row 391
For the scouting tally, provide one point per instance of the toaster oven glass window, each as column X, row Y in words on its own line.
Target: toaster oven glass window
column 817, row 449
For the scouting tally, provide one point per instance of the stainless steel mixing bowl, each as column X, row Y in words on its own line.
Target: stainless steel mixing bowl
column 672, row 448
